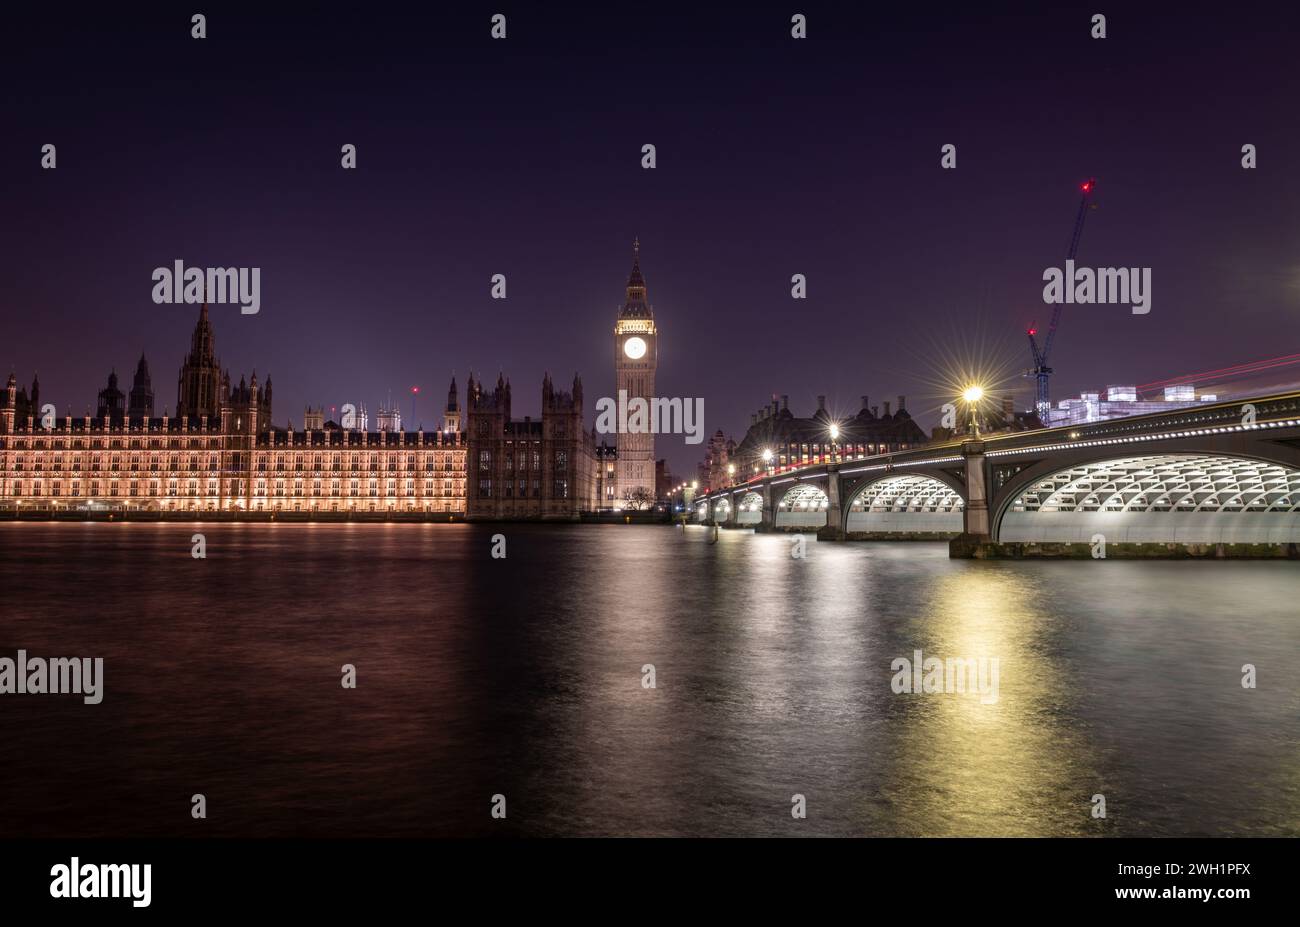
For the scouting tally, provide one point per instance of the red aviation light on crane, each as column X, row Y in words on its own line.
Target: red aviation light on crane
column 1033, row 331
column 1087, row 186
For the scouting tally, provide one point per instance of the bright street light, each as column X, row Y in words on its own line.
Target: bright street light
column 973, row 395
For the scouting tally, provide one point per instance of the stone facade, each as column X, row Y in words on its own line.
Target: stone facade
column 545, row 470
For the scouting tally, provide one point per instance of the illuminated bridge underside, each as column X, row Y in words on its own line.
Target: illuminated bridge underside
column 804, row 506
column 721, row 510
column 906, row 504
column 751, row 509
column 1168, row 498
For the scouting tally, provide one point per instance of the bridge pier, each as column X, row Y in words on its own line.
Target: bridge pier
column 975, row 520
column 833, row 530
column 768, row 522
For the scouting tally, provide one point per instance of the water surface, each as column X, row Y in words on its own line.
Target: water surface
column 523, row 677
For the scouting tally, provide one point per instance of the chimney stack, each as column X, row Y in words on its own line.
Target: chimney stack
column 886, row 409
column 821, row 403
column 902, row 403
column 785, row 403
column 866, row 404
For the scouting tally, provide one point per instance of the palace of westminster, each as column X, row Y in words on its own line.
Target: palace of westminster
column 220, row 453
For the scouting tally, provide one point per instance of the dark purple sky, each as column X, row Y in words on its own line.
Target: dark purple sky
column 522, row 157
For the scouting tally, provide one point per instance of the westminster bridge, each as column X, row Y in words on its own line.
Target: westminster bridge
column 1218, row 474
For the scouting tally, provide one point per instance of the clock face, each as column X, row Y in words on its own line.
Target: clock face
column 634, row 348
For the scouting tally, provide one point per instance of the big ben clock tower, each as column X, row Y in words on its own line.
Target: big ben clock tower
column 636, row 355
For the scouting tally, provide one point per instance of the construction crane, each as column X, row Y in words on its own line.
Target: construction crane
column 1040, row 371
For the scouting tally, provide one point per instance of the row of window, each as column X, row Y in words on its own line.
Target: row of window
column 212, row 464
column 37, row 488
column 509, row 458
column 519, row 489
column 559, row 430
column 190, row 505
column 822, row 452
column 317, row 491
column 95, row 466
column 357, row 459
column 76, row 444
column 210, row 441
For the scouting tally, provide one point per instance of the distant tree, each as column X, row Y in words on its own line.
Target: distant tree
column 638, row 498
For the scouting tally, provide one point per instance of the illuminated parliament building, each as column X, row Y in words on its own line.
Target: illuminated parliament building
column 219, row 452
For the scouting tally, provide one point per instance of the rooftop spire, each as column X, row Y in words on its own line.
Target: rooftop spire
column 636, row 305
column 636, row 280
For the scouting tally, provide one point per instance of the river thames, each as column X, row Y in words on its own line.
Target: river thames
column 526, row 677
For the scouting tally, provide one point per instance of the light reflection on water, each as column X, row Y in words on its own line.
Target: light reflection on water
column 523, row 677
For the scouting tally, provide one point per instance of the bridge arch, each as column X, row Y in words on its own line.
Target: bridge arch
column 750, row 511
column 905, row 503
column 804, row 505
column 1197, row 498
column 702, row 511
column 721, row 509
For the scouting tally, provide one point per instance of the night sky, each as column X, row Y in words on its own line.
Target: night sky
column 522, row 157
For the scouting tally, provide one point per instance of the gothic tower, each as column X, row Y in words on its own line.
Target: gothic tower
column 636, row 355
column 451, row 414
column 10, row 407
column 140, row 405
column 18, row 408
column 112, row 403
column 198, row 390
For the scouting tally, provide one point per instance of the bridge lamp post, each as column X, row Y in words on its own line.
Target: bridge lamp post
column 973, row 395
column 731, row 473
column 835, row 435
column 767, row 459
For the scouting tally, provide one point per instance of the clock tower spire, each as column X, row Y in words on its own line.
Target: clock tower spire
column 636, row 355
